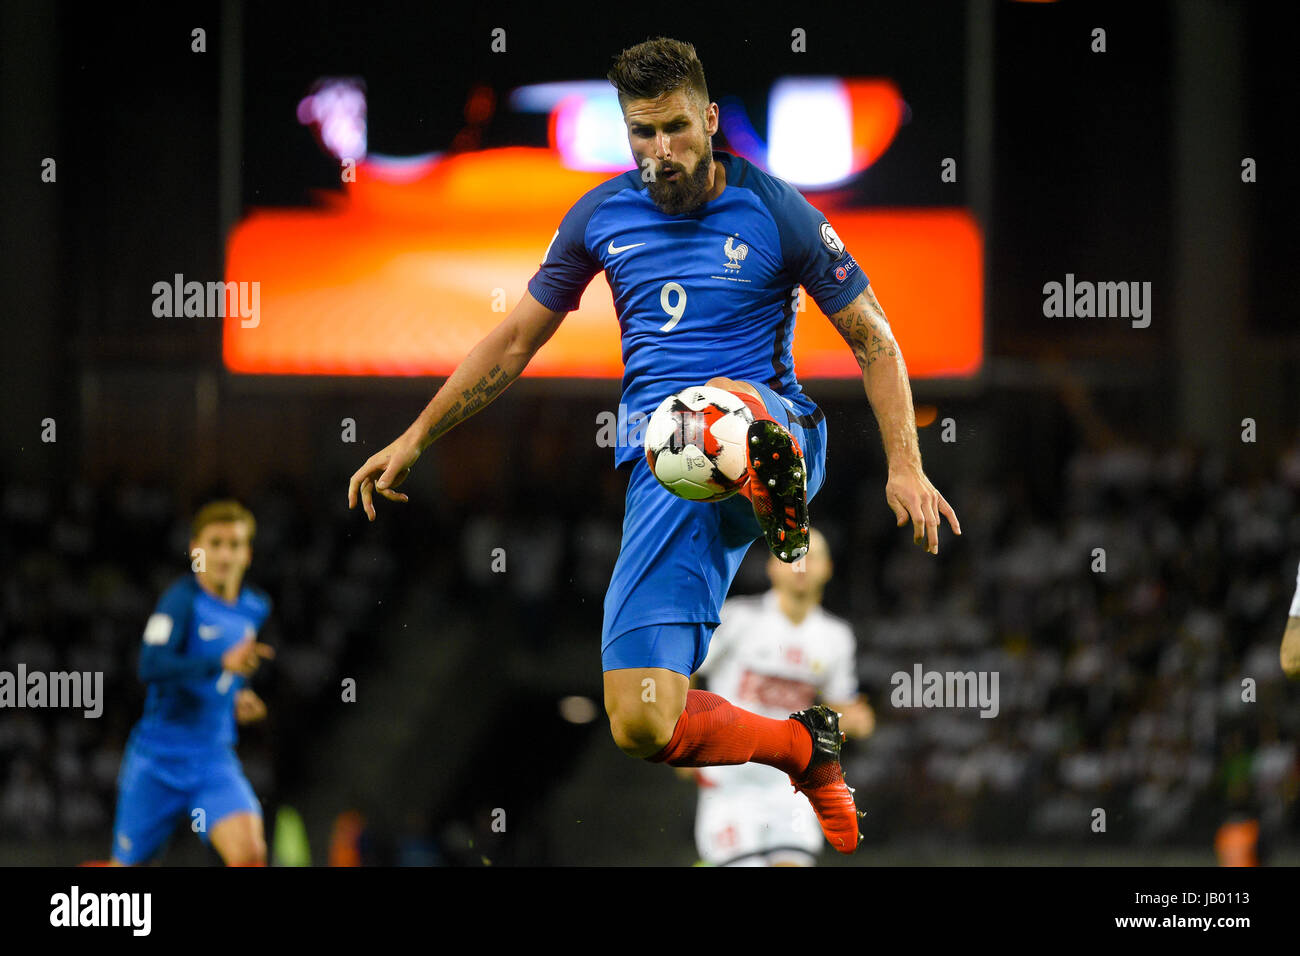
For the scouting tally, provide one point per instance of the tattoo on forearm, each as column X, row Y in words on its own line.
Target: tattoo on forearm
column 471, row 400
column 878, row 348
column 864, row 327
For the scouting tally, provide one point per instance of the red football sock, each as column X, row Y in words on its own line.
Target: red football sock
column 755, row 405
column 712, row 732
column 760, row 413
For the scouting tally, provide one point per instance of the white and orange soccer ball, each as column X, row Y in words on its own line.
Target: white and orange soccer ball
column 695, row 443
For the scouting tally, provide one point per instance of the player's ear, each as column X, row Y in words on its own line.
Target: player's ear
column 711, row 119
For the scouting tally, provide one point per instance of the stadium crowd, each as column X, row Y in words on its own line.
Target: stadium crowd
column 1122, row 628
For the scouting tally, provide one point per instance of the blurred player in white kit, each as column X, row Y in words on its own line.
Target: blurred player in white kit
column 1291, row 637
column 775, row 654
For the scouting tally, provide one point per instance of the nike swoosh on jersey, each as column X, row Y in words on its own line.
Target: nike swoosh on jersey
column 615, row 250
column 209, row 632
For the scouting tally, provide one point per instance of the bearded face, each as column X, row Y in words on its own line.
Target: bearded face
column 669, row 136
column 677, row 191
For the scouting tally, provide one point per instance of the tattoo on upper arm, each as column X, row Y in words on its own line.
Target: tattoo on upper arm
column 863, row 326
column 471, row 400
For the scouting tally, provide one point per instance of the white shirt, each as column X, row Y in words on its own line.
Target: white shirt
column 763, row 662
column 1295, row 601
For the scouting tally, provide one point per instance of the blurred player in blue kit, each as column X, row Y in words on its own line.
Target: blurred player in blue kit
column 199, row 649
column 704, row 253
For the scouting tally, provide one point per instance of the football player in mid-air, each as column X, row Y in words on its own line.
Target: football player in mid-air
column 199, row 649
column 704, row 253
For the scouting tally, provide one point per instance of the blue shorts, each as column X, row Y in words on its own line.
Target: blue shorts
column 155, row 792
column 678, row 558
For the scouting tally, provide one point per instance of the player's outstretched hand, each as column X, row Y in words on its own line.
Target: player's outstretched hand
column 249, row 708
column 910, row 495
column 382, row 472
column 245, row 656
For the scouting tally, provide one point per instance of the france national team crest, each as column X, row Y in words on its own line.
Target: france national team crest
column 736, row 253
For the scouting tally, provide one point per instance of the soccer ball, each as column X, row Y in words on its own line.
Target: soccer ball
column 695, row 443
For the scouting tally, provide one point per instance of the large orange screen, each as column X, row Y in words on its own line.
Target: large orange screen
column 403, row 278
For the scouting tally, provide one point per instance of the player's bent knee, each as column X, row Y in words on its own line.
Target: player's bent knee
column 644, row 705
column 643, row 735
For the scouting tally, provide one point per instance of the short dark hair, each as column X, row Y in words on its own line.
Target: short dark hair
column 221, row 511
column 656, row 67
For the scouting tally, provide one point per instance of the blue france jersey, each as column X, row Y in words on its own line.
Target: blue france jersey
column 712, row 292
column 189, row 707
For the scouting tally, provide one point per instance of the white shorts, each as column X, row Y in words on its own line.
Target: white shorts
column 756, row 826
